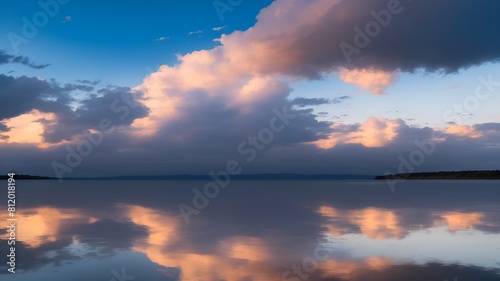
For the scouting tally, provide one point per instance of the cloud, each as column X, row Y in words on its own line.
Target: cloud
column 67, row 19
column 162, row 38
column 375, row 132
column 3, row 127
column 26, row 94
column 340, row 99
column 6, row 58
column 93, row 83
column 253, row 82
column 203, row 107
column 375, row 81
column 380, row 132
column 41, row 112
column 303, row 38
column 192, row 115
column 27, row 128
column 303, row 102
column 219, row 28
column 195, row 32
column 488, row 127
column 463, row 131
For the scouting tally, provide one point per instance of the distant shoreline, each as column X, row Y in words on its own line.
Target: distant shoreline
column 26, row 177
column 209, row 178
column 455, row 175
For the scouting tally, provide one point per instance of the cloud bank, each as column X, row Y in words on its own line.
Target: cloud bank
column 191, row 117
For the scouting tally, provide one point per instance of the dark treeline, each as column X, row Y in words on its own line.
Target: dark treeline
column 238, row 177
column 209, row 178
column 25, row 177
column 456, row 175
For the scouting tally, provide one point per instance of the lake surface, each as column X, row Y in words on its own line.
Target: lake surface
column 256, row 230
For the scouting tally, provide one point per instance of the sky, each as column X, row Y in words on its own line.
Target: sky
column 109, row 88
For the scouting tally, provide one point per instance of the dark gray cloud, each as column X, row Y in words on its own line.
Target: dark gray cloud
column 27, row 93
column 446, row 36
column 433, row 35
column 488, row 127
column 3, row 127
column 74, row 87
column 107, row 105
column 5, row 58
column 85, row 81
column 206, row 126
column 340, row 99
column 303, row 102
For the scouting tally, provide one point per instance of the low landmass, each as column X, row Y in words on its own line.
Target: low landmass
column 455, row 175
column 26, row 177
column 206, row 177
column 238, row 177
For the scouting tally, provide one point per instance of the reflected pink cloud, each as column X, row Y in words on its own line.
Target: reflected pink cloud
column 41, row 225
column 373, row 223
column 460, row 220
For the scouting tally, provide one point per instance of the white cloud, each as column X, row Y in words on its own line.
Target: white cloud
column 195, row 32
column 67, row 19
column 219, row 28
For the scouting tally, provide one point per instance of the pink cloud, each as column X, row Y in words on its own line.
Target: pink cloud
column 463, row 131
column 246, row 70
column 375, row 81
column 28, row 128
column 375, row 132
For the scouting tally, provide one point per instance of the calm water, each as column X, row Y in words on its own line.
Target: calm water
column 257, row 230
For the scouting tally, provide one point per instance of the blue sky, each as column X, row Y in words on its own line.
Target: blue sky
column 200, row 81
column 117, row 41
